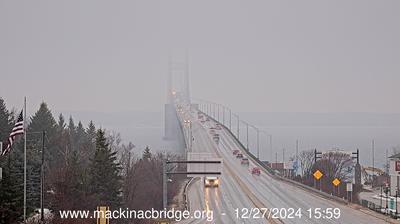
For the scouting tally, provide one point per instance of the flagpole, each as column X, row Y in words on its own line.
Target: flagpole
column 24, row 159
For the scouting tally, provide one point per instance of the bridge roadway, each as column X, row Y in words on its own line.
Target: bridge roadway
column 240, row 189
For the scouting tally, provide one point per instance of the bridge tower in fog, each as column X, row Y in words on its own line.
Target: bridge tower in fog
column 177, row 86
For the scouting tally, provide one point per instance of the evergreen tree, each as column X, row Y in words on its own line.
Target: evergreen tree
column 42, row 120
column 146, row 153
column 11, row 185
column 61, row 123
column 72, row 134
column 104, row 173
column 91, row 132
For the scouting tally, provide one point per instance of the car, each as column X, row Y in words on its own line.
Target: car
column 211, row 181
column 239, row 155
column 218, row 127
column 216, row 138
column 207, row 119
column 256, row 171
column 236, row 151
column 212, row 132
column 202, row 121
column 244, row 161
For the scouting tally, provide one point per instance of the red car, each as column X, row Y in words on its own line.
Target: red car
column 256, row 171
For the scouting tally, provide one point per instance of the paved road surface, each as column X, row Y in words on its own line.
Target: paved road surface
column 240, row 189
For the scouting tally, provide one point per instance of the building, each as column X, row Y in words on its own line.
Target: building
column 394, row 172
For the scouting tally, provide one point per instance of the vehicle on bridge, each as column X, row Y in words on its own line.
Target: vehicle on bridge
column 256, row 171
column 216, row 138
column 211, row 181
column 235, row 152
column 244, row 161
column 212, row 131
column 239, row 155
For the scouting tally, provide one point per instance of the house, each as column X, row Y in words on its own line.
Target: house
column 394, row 172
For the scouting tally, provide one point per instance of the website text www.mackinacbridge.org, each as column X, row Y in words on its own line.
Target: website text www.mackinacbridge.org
column 171, row 214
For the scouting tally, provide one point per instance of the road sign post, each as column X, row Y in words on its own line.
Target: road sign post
column 317, row 176
column 336, row 183
column 349, row 190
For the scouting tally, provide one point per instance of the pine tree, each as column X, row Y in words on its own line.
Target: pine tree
column 11, row 185
column 104, row 173
column 146, row 153
column 91, row 132
column 42, row 120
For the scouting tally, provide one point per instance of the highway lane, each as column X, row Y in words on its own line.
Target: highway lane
column 222, row 200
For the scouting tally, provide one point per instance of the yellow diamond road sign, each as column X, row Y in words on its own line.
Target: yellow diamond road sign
column 318, row 174
column 336, row 182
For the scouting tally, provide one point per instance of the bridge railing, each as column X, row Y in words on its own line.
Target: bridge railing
column 256, row 141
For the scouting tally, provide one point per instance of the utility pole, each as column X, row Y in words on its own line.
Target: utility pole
column 373, row 163
column 283, row 155
column 164, row 181
column 42, row 181
column 297, row 150
column 270, row 145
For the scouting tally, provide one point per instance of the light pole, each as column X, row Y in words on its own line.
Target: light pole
column 230, row 119
column 218, row 112
column 213, row 110
column 223, row 114
column 258, row 144
column 164, row 182
column 247, row 136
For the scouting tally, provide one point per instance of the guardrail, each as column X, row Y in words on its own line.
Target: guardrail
column 185, row 197
column 272, row 172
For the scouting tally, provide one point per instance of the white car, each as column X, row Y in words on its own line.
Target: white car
column 211, row 182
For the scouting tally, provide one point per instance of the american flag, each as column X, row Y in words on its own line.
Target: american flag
column 17, row 130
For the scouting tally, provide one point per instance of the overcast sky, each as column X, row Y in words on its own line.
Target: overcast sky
column 253, row 55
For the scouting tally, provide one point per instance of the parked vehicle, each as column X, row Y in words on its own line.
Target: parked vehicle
column 256, row 171
column 235, row 152
column 245, row 161
column 239, row 155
